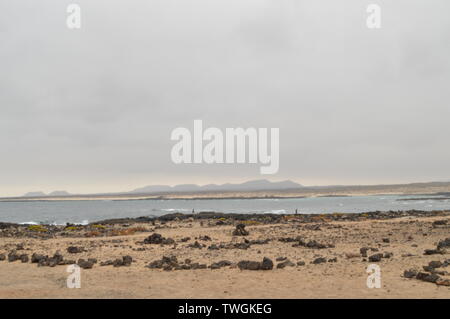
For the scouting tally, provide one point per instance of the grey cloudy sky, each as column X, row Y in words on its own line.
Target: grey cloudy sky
column 91, row 110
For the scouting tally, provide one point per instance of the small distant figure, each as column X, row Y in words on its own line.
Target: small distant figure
column 193, row 211
column 296, row 212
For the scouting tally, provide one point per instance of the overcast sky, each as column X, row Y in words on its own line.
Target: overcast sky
column 92, row 110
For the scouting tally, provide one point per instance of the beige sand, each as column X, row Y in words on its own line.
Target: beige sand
column 344, row 279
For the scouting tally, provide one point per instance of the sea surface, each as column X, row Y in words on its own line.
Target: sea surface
column 82, row 212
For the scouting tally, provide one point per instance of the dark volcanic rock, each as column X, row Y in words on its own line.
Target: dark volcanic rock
column 388, row 255
column 74, row 250
column 249, row 265
column 376, row 257
column 36, row 258
column 319, row 260
column 158, row 239
column 286, row 263
column 410, row 273
column 24, row 258
column 166, row 263
column 427, row 277
column 434, row 252
column 85, row 264
column 363, row 251
column 220, row 264
column 2, row 257
column 107, row 263
column 13, row 256
column 435, row 264
column 240, row 230
column 443, row 243
column 439, row 222
column 196, row 244
column 125, row 261
column 266, row 264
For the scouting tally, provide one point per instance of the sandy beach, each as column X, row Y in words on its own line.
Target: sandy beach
column 209, row 256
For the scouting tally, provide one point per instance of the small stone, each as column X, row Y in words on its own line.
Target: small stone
column 266, row 264
column 319, row 260
column 85, row 264
column 411, row 273
column 427, row 277
column 363, row 251
column 240, row 230
column 74, row 250
column 375, row 258
column 286, row 263
column 249, row 265
column 435, row 264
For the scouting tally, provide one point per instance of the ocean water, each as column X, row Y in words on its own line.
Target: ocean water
column 82, row 212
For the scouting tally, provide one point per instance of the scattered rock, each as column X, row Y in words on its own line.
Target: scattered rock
column 36, row 258
column 363, row 251
column 240, row 230
column 439, row 222
column 443, row 244
column 158, row 239
column 13, row 256
column 286, row 263
column 411, row 273
column 24, row 258
column 196, row 244
column 319, row 260
column 434, row 252
column 388, row 255
column 220, row 264
column 266, row 264
column 85, row 264
column 427, row 277
column 376, row 257
column 74, row 250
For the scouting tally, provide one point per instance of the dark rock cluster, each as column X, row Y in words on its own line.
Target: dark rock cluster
column 158, row 239
column 266, row 264
column 431, row 273
column 172, row 263
column 240, row 230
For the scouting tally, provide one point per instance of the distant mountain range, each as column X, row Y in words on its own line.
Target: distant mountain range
column 256, row 185
column 42, row 194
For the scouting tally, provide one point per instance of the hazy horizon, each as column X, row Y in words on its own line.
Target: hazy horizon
column 92, row 110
